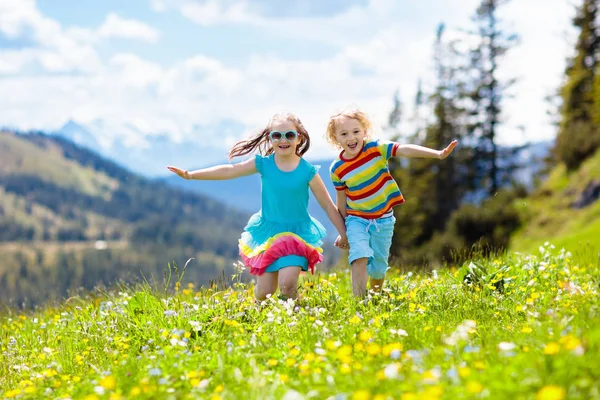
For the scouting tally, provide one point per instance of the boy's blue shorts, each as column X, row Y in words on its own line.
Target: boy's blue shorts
column 372, row 239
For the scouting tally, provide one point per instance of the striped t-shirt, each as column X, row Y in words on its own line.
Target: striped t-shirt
column 370, row 190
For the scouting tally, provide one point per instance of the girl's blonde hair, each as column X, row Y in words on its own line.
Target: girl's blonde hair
column 353, row 113
column 260, row 140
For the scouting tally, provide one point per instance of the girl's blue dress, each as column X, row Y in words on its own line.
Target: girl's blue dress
column 282, row 233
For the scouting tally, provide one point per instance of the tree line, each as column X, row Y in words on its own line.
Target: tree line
column 467, row 202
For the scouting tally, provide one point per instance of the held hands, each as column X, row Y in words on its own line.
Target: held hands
column 342, row 242
column 181, row 172
column 446, row 152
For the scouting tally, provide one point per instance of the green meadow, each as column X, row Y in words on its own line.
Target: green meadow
column 517, row 326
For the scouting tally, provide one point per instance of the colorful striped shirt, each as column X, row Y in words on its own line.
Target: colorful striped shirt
column 370, row 189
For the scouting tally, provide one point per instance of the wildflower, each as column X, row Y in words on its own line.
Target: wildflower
column 272, row 362
column 108, row 382
column 361, row 395
column 355, row 320
column 474, row 387
column 284, row 378
column 364, row 336
column 392, row 371
column 373, row 349
column 506, row 346
column 551, row 348
column 526, row 329
column 551, row 392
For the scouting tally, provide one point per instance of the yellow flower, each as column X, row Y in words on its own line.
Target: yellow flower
column 526, row 329
column 284, row 378
column 108, row 382
column 91, row 397
column 290, row 361
column 345, row 369
column 219, row 389
column 479, row 365
column 358, row 347
column 408, row 396
column 551, row 392
column 294, row 352
column 388, row 348
column 373, row 349
column 12, row 393
column 464, row 372
column 434, row 392
column 343, row 353
column 272, row 362
column 355, row 320
column 380, row 397
column 474, row 387
column 364, row 336
column 361, row 395
column 551, row 348
column 570, row 342
column 215, row 397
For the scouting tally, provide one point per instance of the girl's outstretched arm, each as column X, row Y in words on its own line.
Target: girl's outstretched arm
column 219, row 172
column 413, row 150
column 318, row 188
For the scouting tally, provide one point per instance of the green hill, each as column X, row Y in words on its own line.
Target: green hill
column 551, row 216
column 70, row 218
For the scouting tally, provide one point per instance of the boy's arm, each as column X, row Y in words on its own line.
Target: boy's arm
column 219, row 172
column 340, row 201
column 413, row 150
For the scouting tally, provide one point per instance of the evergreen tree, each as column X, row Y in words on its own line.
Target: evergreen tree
column 484, row 95
column 579, row 135
column 430, row 185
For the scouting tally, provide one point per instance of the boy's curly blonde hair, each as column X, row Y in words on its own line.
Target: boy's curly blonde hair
column 350, row 112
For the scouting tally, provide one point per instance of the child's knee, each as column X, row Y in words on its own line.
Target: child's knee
column 261, row 294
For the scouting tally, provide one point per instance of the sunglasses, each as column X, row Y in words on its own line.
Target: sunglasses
column 276, row 136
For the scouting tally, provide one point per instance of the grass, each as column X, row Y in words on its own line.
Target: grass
column 524, row 327
column 548, row 214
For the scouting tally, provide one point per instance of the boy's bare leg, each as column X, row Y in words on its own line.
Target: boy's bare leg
column 377, row 284
column 359, row 277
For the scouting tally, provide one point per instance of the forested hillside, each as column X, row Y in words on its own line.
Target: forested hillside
column 110, row 223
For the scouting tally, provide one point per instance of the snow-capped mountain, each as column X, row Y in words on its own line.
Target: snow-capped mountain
column 150, row 154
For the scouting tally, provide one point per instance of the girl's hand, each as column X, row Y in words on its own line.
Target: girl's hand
column 446, row 152
column 342, row 242
column 181, row 172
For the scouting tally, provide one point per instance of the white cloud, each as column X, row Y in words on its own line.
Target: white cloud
column 116, row 27
column 378, row 49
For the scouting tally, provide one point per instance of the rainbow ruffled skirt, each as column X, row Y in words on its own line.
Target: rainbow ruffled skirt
column 264, row 242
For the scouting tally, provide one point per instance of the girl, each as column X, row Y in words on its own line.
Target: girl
column 282, row 239
column 367, row 193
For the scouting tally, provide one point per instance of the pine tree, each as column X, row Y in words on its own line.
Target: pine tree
column 579, row 135
column 431, row 186
column 485, row 94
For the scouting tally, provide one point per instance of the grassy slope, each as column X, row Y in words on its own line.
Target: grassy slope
column 551, row 219
column 24, row 157
column 540, row 338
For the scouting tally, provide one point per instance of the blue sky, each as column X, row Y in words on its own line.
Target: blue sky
column 142, row 67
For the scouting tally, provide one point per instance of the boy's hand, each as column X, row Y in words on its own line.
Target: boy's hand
column 342, row 242
column 181, row 172
column 446, row 152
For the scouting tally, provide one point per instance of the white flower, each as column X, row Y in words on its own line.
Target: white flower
column 391, row 371
column 506, row 346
